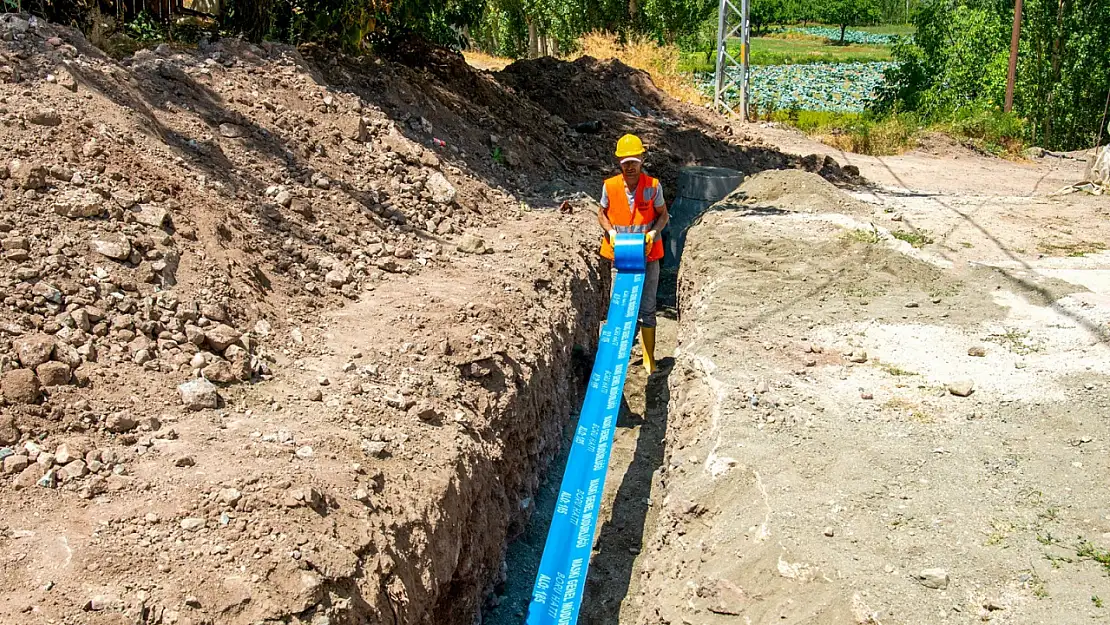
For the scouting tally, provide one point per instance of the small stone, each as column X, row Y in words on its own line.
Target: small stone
column 53, row 373
column 858, row 357
column 829, row 532
column 74, row 470
column 977, row 351
column 45, row 117
column 68, row 452
column 33, row 475
column 377, row 449
column 428, row 413
column 192, row 602
column 441, row 190
column 304, row 452
column 199, row 394
column 866, row 395
column 337, row 277
column 221, row 372
column 153, row 216
column 933, row 578
column 20, row 386
column 961, row 388
column 9, row 432
column 315, row 395
column 120, row 423
column 471, row 244
column 231, row 131
column 912, row 304
column 184, row 461
column 34, row 350
column 191, row 524
column 229, row 496
column 116, row 247
column 16, row 463
column 222, row 336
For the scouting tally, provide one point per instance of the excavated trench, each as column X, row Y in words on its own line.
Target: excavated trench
column 638, row 450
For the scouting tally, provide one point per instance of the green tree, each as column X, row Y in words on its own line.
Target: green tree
column 845, row 13
column 955, row 68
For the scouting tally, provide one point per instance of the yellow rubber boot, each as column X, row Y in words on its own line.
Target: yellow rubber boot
column 647, row 339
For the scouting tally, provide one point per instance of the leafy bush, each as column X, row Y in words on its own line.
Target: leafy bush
column 955, row 68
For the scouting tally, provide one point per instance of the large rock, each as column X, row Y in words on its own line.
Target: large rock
column 114, row 246
column 53, row 373
column 221, row 336
column 442, row 191
column 34, row 350
column 77, row 204
column 20, row 386
column 199, row 394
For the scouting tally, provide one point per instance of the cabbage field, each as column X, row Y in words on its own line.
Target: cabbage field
column 850, row 36
column 839, row 87
column 847, row 86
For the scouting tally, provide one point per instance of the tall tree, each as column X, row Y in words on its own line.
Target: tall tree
column 845, row 13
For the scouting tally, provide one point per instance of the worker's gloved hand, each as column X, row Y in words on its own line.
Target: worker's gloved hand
column 612, row 237
column 649, row 239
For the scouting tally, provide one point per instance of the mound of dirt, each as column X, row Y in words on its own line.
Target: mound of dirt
column 604, row 99
column 796, row 190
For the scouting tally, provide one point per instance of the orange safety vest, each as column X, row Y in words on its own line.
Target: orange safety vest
column 638, row 219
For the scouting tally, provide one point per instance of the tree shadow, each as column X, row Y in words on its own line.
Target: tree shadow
column 621, row 537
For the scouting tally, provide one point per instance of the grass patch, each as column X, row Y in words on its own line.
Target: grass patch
column 917, row 239
column 901, row 30
column 1017, row 341
column 989, row 131
column 1088, row 551
column 1000, row 531
column 661, row 62
column 1073, row 250
column 860, row 133
column 1095, row 599
column 896, row 370
column 859, row 235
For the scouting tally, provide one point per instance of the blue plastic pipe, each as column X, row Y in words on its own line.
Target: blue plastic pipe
column 557, row 595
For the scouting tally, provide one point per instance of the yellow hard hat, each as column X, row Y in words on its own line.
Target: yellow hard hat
column 629, row 145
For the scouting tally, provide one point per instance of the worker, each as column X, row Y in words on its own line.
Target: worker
column 632, row 201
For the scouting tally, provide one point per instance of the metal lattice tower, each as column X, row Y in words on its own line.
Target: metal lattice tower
column 731, row 22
